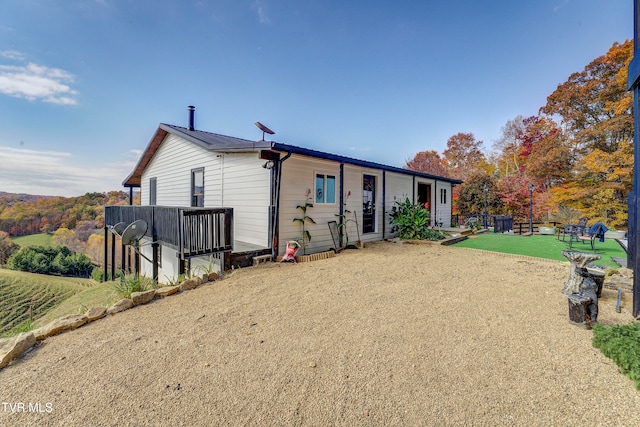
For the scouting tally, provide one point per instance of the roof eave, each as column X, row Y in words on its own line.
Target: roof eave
column 357, row 162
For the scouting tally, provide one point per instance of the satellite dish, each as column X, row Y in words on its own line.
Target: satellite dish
column 119, row 228
column 134, row 232
column 264, row 129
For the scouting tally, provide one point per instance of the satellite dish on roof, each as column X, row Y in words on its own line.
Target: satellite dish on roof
column 134, row 232
column 264, row 129
column 119, row 228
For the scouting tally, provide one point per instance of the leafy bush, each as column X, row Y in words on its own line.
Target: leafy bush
column 97, row 274
column 621, row 343
column 55, row 261
column 130, row 284
column 411, row 222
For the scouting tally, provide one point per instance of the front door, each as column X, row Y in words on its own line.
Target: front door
column 368, row 204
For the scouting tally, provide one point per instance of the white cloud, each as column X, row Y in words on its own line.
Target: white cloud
column 260, row 7
column 53, row 173
column 12, row 54
column 37, row 82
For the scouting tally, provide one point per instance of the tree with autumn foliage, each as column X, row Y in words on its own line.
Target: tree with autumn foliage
column 428, row 162
column 463, row 155
column 596, row 111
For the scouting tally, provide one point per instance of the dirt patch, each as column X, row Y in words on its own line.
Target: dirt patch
column 392, row 334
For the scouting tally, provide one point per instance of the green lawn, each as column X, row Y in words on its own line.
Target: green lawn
column 42, row 239
column 541, row 246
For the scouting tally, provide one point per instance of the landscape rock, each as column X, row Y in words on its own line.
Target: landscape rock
column 165, row 291
column 71, row 321
column 142, row 297
column 188, row 284
column 122, row 305
column 213, row 276
column 13, row 347
column 95, row 313
column 205, row 278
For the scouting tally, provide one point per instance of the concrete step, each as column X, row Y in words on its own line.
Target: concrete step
column 260, row 259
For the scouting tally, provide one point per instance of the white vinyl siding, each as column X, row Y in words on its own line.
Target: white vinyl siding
column 399, row 188
column 299, row 179
column 231, row 180
column 246, row 189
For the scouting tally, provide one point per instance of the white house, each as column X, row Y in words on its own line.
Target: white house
column 265, row 181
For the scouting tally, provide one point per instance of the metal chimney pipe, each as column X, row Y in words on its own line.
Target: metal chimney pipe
column 191, row 109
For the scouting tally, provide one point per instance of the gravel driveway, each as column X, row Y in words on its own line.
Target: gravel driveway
column 393, row 334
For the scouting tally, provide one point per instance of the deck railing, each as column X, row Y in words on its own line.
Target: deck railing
column 192, row 231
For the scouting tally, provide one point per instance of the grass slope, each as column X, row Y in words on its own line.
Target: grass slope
column 42, row 239
column 541, row 246
column 28, row 296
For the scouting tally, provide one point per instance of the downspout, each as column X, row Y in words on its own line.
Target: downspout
column 106, row 251
column 413, row 189
column 276, row 214
column 434, row 222
column 341, row 209
column 384, row 203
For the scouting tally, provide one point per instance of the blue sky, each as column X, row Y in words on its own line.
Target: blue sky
column 85, row 83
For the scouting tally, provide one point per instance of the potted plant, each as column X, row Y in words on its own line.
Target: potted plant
column 547, row 229
column 612, row 233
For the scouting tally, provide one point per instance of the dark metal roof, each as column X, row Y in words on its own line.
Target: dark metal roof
column 357, row 162
column 223, row 143
column 216, row 142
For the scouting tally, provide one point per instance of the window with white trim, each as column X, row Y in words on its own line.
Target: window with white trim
column 325, row 188
column 197, row 188
column 153, row 185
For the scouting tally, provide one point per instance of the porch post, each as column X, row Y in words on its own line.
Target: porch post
column 634, row 84
column 106, row 253
column 341, row 209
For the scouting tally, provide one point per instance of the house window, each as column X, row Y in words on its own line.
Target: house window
column 197, row 188
column 443, row 196
column 153, row 182
column 325, row 188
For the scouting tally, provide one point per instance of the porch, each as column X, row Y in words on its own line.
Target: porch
column 191, row 232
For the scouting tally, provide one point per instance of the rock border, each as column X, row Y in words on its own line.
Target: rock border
column 13, row 347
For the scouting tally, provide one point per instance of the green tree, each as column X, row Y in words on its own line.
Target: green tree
column 471, row 196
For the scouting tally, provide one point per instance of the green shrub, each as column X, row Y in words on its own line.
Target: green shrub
column 97, row 274
column 47, row 260
column 411, row 222
column 130, row 284
column 621, row 343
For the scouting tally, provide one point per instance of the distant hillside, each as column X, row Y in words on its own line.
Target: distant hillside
column 9, row 199
column 24, row 214
column 25, row 296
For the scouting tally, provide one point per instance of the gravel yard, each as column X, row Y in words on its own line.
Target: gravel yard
column 393, row 334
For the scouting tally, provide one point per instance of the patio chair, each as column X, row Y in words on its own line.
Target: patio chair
column 596, row 231
column 574, row 230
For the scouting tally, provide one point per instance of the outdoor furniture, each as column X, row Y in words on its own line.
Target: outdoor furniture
column 574, row 231
column 596, row 231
